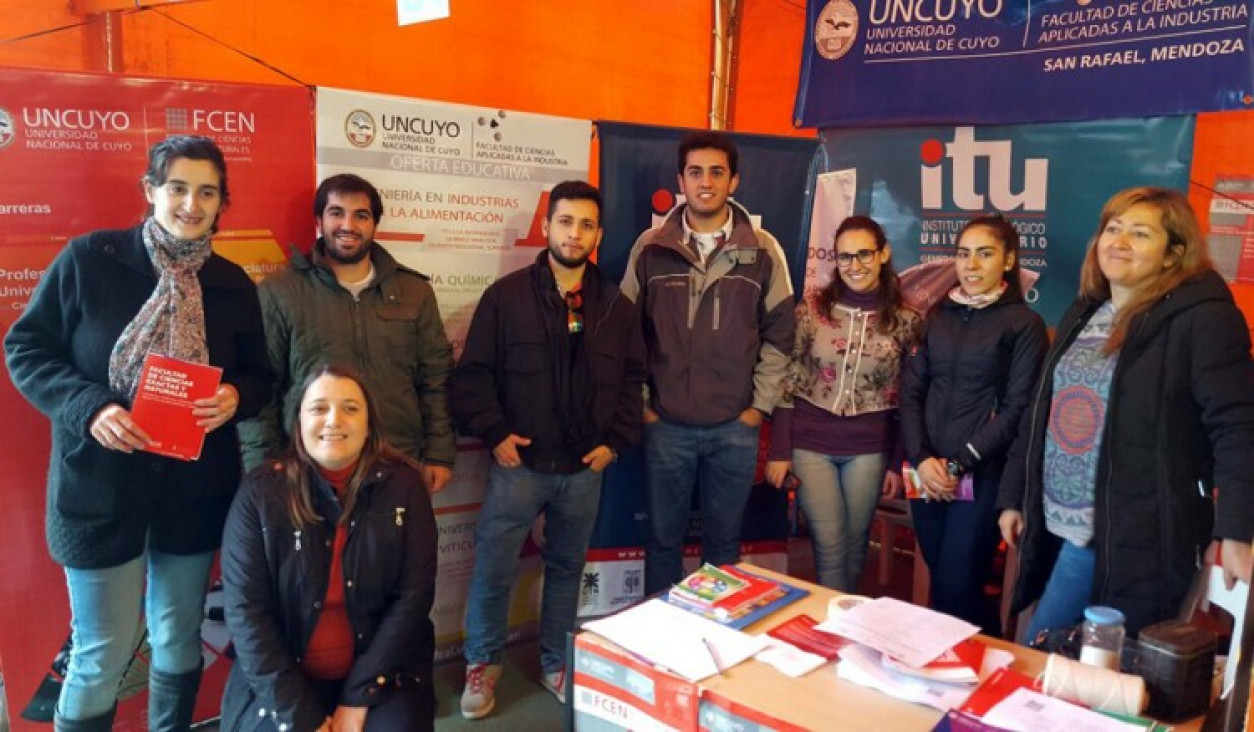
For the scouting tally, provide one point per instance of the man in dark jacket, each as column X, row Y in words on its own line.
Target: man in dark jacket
column 351, row 303
column 718, row 321
column 550, row 380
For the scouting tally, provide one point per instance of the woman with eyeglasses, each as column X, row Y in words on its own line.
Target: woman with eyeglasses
column 964, row 391
column 836, row 426
column 136, row 531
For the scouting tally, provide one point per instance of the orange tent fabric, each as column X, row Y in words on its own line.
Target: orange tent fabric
column 645, row 61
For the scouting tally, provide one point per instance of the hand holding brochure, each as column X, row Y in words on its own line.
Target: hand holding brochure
column 163, row 404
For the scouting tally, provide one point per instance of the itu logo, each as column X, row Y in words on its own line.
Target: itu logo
column 965, row 154
column 7, row 129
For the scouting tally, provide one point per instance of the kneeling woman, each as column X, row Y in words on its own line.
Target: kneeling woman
column 329, row 562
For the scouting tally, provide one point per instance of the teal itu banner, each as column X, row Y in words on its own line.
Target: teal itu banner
column 1050, row 180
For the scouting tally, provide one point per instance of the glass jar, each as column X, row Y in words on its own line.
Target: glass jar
column 1102, row 637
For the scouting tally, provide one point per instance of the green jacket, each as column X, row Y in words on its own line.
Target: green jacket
column 392, row 335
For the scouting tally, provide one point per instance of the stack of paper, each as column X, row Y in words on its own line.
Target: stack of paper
column 911, row 634
column 677, row 640
column 911, row 652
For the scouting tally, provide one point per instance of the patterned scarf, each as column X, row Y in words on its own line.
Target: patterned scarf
column 172, row 321
column 977, row 301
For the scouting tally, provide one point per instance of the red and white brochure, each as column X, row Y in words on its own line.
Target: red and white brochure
column 163, row 404
column 960, row 664
column 800, row 632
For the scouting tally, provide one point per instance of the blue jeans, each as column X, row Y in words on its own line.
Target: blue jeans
column 1067, row 593
column 719, row 461
column 515, row 497
column 105, row 615
column 838, row 496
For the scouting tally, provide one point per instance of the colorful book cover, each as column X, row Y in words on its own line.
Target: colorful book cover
column 706, row 586
column 163, row 404
column 754, row 590
column 784, row 596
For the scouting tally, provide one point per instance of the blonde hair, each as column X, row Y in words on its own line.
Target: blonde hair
column 1187, row 255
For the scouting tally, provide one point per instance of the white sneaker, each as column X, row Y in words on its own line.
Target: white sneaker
column 479, row 696
column 555, row 682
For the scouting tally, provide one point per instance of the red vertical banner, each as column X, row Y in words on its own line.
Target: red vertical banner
column 72, row 150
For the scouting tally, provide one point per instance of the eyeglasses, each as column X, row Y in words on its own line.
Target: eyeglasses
column 864, row 257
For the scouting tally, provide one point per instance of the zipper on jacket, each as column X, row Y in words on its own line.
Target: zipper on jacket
column 718, row 289
column 694, row 296
column 959, row 348
column 400, row 516
column 1110, row 469
column 297, row 535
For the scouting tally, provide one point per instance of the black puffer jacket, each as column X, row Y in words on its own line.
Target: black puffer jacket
column 967, row 384
column 1179, row 428
column 276, row 577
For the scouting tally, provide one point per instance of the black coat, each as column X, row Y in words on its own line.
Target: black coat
column 103, row 504
column 1179, row 428
column 276, row 577
column 504, row 382
column 968, row 382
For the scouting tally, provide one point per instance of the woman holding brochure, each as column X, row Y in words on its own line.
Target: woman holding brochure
column 1137, row 453
column 837, row 424
column 329, row 563
column 118, row 515
column 964, row 391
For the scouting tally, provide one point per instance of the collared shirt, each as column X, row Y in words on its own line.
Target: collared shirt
column 707, row 241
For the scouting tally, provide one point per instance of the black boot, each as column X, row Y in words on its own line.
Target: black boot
column 103, row 723
column 171, row 700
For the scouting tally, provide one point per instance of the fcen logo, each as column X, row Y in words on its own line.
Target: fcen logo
column 964, row 154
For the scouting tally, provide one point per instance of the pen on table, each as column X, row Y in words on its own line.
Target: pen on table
column 718, row 664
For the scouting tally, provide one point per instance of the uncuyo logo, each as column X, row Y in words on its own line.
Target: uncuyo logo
column 359, row 128
column 964, row 154
column 8, row 132
column 836, row 29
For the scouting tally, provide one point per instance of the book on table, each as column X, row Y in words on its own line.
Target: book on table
column 752, row 598
column 163, row 404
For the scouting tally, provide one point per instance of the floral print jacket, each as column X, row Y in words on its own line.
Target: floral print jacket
column 841, row 361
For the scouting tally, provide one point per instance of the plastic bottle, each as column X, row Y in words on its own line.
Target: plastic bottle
column 1102, row 643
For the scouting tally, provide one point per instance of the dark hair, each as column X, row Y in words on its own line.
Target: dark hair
column 707, row 140
column 193, row 147
column 891, row 303
column 347, row 183
column 1187, row 255
column 298, row 466
column 573, row 190
column 1006, row 233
